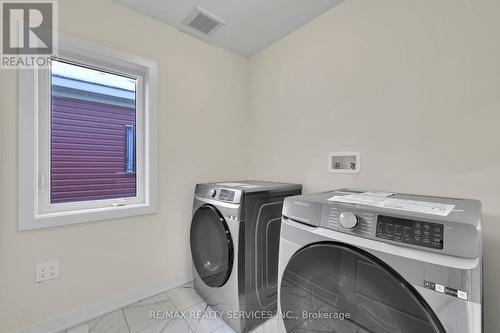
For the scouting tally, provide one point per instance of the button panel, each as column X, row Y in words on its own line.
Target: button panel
column 410, row 231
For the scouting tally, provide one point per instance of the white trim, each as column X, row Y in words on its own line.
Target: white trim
column 90, row 311
column 35, row 210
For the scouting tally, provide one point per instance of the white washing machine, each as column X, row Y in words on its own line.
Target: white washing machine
column 353, row 261
column 234, row 238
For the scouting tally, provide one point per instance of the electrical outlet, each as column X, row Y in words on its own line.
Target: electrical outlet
column 47, row 271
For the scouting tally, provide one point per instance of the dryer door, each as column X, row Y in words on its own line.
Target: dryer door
column 334, row 287
column 211, row 246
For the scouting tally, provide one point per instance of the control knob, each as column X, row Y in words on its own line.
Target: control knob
column 212, row 192
column 348, row 220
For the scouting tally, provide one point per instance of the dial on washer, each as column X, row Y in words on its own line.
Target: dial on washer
column 348, row 220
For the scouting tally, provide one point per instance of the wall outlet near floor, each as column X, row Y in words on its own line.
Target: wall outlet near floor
column 47, row 271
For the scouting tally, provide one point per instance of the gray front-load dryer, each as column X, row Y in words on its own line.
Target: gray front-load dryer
column 375, row 262
column 234, row 238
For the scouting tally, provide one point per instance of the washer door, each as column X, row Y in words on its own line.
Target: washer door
column 211, row 246
column 334, row 287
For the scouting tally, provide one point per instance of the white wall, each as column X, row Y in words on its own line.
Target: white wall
column 413, row 85
column 203, row 99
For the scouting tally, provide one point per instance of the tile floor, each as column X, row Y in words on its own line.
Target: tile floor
column 136, row 318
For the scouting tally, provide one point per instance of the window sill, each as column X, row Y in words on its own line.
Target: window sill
column 50, row 220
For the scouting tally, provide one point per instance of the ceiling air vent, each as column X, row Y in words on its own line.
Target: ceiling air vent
column 201, row 21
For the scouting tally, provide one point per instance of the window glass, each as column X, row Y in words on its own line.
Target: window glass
column 93, row 137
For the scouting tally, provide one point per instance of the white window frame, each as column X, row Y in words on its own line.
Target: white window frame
column 35, row 209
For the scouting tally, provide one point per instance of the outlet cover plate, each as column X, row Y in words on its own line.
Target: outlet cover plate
column 47, row 271
column 344, row 162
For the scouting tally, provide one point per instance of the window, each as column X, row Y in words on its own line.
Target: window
column 92, row 135
column 87, row 137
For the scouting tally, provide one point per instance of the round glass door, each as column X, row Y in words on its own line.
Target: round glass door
column 333, row 287
column 211, row 246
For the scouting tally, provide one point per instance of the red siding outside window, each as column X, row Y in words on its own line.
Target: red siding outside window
column 89, row 142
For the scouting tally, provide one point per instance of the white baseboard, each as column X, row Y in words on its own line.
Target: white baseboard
column 90, row 311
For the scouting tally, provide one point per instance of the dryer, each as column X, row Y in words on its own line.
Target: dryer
column 234, row 241
column 356, row 261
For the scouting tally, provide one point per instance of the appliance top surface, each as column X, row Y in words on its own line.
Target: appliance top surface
column 467, row 211
column 251, row 186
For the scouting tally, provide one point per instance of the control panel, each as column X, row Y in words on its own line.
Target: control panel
column 355, row 222
column 457, row 234
column 217, row 193
column 413, row 232
column 226, row 195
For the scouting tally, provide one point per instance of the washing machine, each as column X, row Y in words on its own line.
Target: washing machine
column 360, row 261
column 234, row 238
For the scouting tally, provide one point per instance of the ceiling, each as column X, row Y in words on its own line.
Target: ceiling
column 250, row 25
